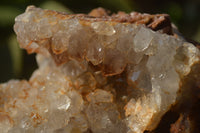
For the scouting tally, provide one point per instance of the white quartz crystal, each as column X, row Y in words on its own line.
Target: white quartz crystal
column 93, row 76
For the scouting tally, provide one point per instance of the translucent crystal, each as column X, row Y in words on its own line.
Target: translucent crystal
column 100, row 96
column 103, row 28
column 60, row 42
column 114, row 62
column 96, row 50
column 142, row 39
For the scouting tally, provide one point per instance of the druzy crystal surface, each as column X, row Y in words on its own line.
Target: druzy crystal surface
column 95, row 75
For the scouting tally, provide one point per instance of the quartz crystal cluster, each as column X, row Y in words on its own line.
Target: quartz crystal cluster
column 95, row 75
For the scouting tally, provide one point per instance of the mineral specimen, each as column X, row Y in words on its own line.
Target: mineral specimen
column 97, row 73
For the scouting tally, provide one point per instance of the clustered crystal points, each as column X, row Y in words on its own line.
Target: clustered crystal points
column 94, row 76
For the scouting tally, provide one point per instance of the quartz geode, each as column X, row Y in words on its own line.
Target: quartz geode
column 97, row 73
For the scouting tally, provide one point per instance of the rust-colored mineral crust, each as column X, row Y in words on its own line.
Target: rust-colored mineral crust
column 158, row 22
column 182, row 125
column 97, row 73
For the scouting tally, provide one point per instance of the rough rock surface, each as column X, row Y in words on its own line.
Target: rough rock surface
column 96, row 74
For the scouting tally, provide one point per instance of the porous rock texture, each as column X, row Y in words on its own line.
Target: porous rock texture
column 97, row 73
